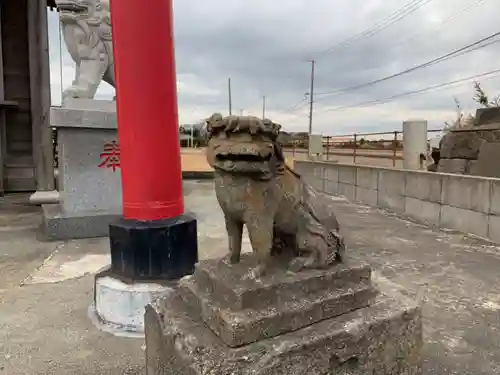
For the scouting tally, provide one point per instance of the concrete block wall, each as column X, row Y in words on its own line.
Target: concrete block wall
column 469, row 204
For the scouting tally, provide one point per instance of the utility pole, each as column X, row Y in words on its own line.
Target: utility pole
column 311, row 97
column 263, row 107
column 191, row 137
column 229, row 96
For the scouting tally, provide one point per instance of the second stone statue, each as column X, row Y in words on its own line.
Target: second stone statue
column 86, row 27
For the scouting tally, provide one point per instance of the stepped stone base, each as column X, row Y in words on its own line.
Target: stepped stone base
column 58, row 225
column 220, row 321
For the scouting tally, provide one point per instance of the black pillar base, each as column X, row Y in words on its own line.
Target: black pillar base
column 159, row 250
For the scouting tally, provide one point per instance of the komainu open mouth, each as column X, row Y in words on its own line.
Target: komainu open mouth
column 71, row 7
column 243, row 157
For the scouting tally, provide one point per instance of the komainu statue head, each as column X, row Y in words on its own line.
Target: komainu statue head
column 244, row 145
column 76, row 10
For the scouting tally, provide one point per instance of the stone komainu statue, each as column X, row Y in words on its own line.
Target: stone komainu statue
column 255, row 187
column 86, row 26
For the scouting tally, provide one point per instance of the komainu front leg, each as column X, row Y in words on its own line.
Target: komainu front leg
column 235, row 234
column 260, row 232
column 87, row 78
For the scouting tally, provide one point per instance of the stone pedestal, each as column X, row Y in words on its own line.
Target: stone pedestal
column 89, row 171
column 221, row 321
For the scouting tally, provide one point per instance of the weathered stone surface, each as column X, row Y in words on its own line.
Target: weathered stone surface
column 59, row 225
column 230, row 284
column 473, row 168
column 256, row 188
column 89, row 178
column 261, row 314
column 465, row 143
column 237, row 328
column 486, row 116
column 276, row 304
column 461, row 145
column 384, row 338
column 487, row 162
column 458, row 166
column 85, row 128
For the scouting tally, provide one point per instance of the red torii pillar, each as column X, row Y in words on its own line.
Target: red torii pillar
column 155, row 240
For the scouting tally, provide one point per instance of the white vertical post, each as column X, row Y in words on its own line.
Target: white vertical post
column 414, row 143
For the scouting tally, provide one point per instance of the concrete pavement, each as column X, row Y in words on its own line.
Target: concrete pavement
column 46, row 288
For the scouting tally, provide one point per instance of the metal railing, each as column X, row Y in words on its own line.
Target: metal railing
column 389, row 146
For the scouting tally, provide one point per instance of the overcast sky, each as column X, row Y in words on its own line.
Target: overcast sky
column 264, row 46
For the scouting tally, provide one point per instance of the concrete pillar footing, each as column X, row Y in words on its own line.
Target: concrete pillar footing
column 119, row 308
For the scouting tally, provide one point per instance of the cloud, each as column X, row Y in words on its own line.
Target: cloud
column 264, row 46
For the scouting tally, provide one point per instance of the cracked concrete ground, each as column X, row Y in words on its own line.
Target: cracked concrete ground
column 46, row 288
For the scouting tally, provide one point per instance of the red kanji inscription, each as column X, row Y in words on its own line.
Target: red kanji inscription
column 110, row 156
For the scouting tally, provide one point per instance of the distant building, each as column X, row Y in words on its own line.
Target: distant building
column 193, row 135
column 185, row 140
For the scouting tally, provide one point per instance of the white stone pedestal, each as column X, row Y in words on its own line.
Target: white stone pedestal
column 119, row 308
column 89, row 175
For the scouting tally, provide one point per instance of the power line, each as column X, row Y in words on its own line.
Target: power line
column 442, row 23
column 409, row 8
column 453, row 54
column 450, row 55
column 408, row 93
column 373, row 28
column 296, row 105
column 478, row 47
